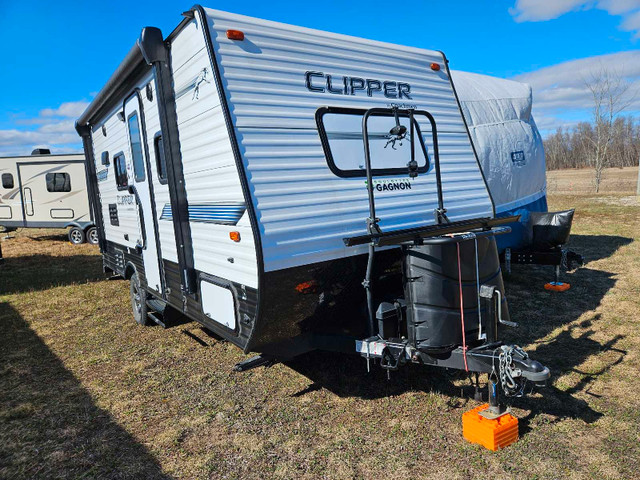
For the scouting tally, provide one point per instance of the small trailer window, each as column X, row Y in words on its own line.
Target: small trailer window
column 120, row 168
column 105, row 158
column 58, row 182
column 7, row 180
column 158, row 145
column 136, row 147
column 341, row 135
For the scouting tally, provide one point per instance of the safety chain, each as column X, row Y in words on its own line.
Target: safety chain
column 510, row 386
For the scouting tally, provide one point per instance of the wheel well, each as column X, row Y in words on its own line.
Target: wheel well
column 129, row 271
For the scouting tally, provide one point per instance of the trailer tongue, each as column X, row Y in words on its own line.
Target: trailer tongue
column 453, row 291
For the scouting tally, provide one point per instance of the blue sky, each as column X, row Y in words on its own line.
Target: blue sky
column 57, row 55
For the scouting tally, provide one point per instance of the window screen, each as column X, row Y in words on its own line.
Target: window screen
column 341, row 134
column 120, row 168
column 160, row 161
column 7, row 180
column 136, row 148
column 58, row 182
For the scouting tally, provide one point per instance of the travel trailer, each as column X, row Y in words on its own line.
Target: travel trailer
column 295, row 190
column 46, row 191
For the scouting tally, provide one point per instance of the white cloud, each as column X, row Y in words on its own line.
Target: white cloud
column 560, row 93
column 541, row 10
column 67, row 110
column 53, row 128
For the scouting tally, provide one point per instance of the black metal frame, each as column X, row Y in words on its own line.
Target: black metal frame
column 324, row 140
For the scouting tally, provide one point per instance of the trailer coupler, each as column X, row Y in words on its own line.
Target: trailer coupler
column 512, row 365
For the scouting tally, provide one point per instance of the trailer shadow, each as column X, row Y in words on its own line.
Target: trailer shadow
column 40, row 272
column 51, row 427
column 597, row 247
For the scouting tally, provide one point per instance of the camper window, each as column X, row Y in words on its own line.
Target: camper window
column 7, row 180
column 158, row 145
column 105, row 158
column 136, row 147
column 58, row 182
column 120, row 168
column 340, row 131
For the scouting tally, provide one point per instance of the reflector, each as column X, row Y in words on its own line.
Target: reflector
column 235, row 35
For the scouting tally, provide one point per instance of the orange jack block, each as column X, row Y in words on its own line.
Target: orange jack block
column 491, row 434
column 557, row 286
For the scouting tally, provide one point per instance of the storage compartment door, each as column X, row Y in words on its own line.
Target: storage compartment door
column 218, row 304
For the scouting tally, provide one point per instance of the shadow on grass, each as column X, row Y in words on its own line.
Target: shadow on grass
column 50, row 426
column 40, row 272
column 597, row 247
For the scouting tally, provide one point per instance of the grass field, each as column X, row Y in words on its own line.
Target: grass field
column 86, row 393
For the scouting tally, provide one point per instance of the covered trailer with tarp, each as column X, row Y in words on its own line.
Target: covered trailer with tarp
column 509, row 147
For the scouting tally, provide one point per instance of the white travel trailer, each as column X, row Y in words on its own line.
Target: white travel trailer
column 46, row 191
column 250, row 174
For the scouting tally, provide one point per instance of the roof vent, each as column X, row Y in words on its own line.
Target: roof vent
column 41, row 151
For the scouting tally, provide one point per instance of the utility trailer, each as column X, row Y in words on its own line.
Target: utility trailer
column 294, row 190
column 46, row 191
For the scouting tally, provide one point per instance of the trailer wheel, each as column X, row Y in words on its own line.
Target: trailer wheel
column 76, row 236
column 92, row 235
column 138, row 300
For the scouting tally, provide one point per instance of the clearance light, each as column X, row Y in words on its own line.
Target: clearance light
column 435, row 66
column 235, row 236
column 235, row 35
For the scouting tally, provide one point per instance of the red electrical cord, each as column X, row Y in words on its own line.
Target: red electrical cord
column 464, row 339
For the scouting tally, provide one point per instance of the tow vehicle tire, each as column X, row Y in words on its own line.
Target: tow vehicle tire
column 76, row 236
column 92, row 235
column 138, row 300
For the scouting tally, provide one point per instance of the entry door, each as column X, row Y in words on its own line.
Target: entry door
column 49, row 192
column 143, row 191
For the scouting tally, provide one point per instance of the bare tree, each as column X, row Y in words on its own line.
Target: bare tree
column 610, row 95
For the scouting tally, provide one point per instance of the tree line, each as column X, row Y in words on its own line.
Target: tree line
column 574, row 147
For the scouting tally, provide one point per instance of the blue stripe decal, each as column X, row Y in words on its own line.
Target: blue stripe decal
column 221, row 213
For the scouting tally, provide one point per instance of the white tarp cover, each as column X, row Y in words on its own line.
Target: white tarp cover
column 505, row 136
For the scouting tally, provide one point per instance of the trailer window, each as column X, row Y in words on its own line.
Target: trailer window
column 136, row 147
column 120, row 168
column 58, row 182
column 161, row 163
column 105, row 158
column 7, row 180
column 342, row 140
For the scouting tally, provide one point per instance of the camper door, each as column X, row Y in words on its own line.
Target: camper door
column 141, row 188
column 48, row 191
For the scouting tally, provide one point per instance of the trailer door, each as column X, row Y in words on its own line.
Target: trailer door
column 143, row 191
column 48, row 192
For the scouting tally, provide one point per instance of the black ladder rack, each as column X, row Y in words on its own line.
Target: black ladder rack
column 397, row 237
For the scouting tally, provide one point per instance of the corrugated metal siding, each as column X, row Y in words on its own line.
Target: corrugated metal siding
column 210, row 171
column 304, row 210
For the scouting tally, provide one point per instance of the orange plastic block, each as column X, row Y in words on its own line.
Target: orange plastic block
column 491, row 434
column 557, row 286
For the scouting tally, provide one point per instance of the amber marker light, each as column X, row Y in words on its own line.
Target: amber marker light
column 235, row 35
column 235, row 236
column 435, row 66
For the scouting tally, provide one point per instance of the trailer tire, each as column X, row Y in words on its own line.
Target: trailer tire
column 92, row 235
column 138, row 301
column 76, row 236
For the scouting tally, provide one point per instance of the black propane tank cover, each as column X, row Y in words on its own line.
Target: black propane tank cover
column 432, row 291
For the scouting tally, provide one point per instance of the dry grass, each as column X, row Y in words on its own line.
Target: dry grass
column 85, row 393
